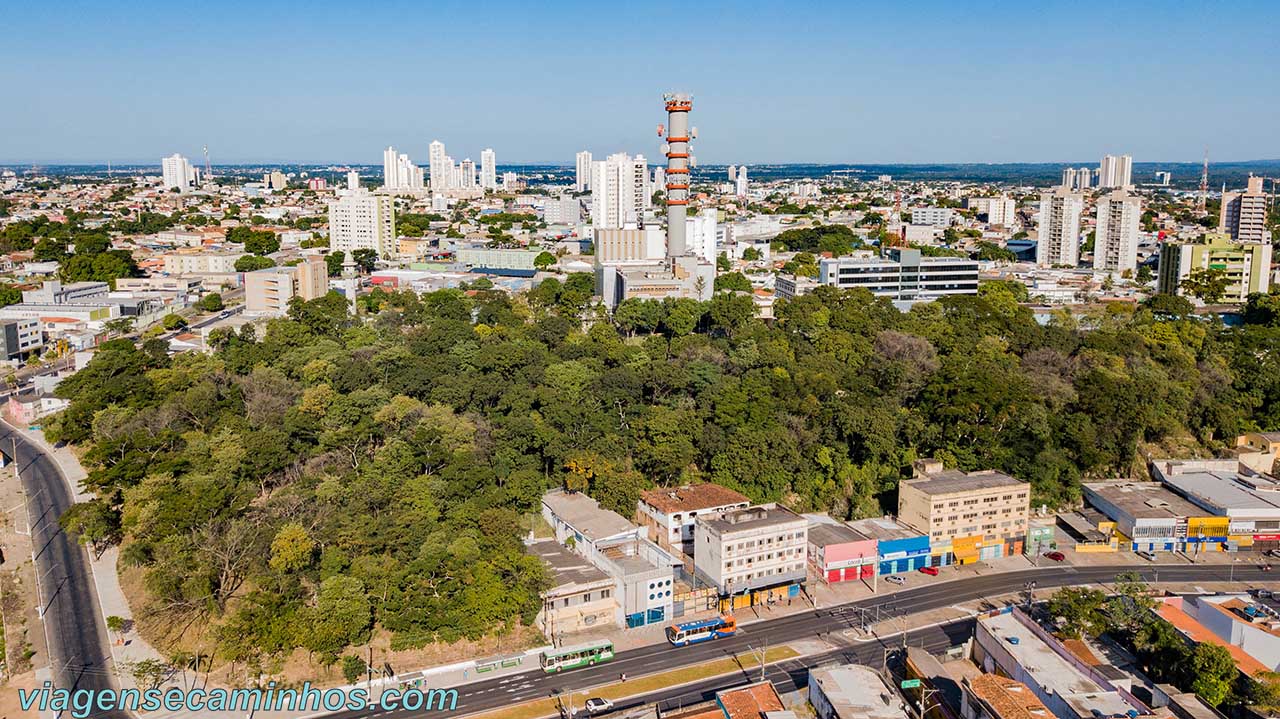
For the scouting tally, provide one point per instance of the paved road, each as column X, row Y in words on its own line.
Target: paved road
column 825, row 623
column 79, row 655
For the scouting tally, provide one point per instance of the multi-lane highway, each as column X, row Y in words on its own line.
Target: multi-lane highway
column 78, row 653
column 826, row 623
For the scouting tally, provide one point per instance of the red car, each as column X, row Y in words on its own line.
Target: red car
column 931, row 571
column 1055, row 556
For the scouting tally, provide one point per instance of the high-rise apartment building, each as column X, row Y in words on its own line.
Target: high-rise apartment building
column 439, row 165
column 353, row 180
column 399, row 172
column 178, row 173
column 1116, row 171
column 1244, row 214
column 1115, row 246
column 467, row 175
column 363, row 220
column 1058, row 237
column 619, row 191
column 510, row 182
column 740, row 186
column 488, row 169
column 733, row 173
column 582, row 175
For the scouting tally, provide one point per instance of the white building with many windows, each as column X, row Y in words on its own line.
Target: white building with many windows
column 1058, row 238
column 753, row 548
column 619, row 191
column 362, row 220
column 1115, row 245
column 178, row 173
column 905, row 276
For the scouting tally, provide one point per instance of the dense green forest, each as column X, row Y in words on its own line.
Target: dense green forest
column 333, row 475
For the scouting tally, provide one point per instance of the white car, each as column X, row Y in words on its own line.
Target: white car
column 895, row 579
column 596, row 705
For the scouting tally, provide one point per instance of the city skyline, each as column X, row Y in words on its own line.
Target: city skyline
column 872, row 84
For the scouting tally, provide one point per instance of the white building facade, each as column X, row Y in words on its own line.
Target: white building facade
column 1115, row 246
column 1058, row 236
column 363, row 220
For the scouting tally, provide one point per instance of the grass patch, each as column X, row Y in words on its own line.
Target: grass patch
column 537, row 708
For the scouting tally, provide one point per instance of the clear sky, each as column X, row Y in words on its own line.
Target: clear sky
column 862, row 82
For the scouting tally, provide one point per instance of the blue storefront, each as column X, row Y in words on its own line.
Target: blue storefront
column 898, row 556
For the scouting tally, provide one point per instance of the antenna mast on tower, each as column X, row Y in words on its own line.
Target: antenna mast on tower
column 208, row 171
column 1204, row 182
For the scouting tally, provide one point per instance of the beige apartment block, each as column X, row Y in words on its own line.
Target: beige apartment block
column 268, row 292
column 968, row 516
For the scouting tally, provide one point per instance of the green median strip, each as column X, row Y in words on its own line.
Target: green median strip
column 538, row 708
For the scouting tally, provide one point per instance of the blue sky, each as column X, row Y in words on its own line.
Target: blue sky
column 921, row 81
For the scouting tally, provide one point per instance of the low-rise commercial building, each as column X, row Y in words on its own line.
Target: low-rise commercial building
column 667, row 515
column 968, row 517
column 1154, row 519
column 899, row 548
column 643, row 573
column 756, row 552
column 853, row 691
column 580, row 597
column 1242, row 506
column 1012, row 645
column 837, row 553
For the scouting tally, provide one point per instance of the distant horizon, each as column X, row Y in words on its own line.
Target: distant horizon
column 26, row 164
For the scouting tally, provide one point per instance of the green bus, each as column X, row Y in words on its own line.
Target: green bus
column 581, row 655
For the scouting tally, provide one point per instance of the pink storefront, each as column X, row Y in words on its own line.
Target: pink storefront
column 840, row 554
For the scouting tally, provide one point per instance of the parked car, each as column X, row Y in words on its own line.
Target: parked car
column 1055, row 556
column 596, row 705
column 1013, row 640
column 1147, row 556
column 931, row 571
column 895, row 579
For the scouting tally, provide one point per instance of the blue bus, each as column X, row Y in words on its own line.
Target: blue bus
column 701, row 631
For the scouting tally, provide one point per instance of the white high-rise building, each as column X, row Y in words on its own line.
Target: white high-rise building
column 1115, row 172
column 740, row 186
column 1058, row 237
column 488, row 169
column 440, row 166
column 1115, row 242
column 1084, row 178
column 467, row 174
column 509, row 181
column 733, row 173
column 563, row 210
column 619, row 191
column 659, row 180
column 362, row 220
column 582, row 175
column 178, row 173
column 399, row 172
column 353, row 180
column 1069, row 178
column 700, row 235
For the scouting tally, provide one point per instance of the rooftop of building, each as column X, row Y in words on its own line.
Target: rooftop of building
column 1197, row 632
column 1143, row 500
column 586, row 515
column 953, row 481
column 691, row 498
column 1008, row 698
column 825, row 535
column 883, row 529
column 741, row 520
column 567, row 569
column 857, row 691
column 750, row 702
column 1220, row 487
column 1054, row 672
